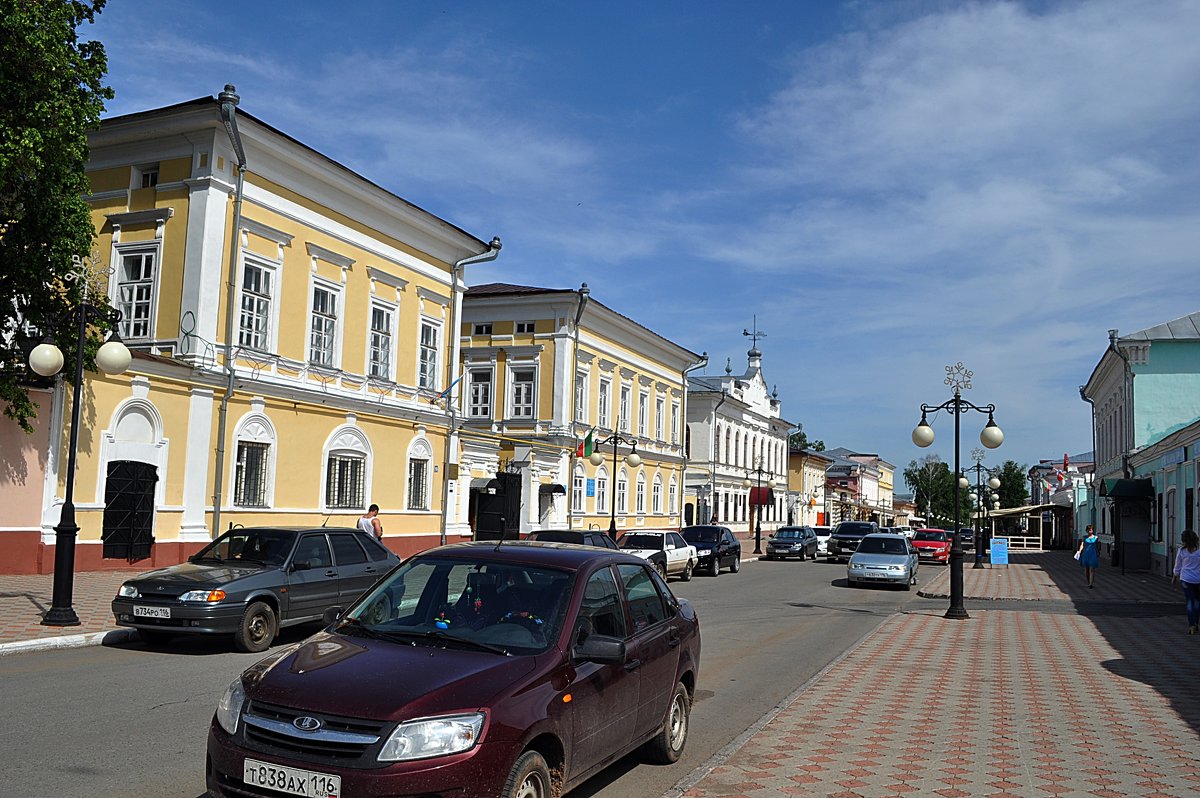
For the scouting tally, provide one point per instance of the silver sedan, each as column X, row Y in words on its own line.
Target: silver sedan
column 887, row 559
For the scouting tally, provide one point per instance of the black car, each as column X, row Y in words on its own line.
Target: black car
column 716, row 548
column 846, row 536
column 582, row 537
column 251, row 582
column 793, row 541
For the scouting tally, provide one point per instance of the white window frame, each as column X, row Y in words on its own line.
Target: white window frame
column 674, row 423
column 481, row 328
column 140, row 248
column 673, row 497
column 484, row 409
column 419, row 451
column 429, row 377
column 335, row 290
column 524, row 327
column 643, row 413
column 604, row 408
column 581, row 395
column 623, row 409
column 578, row 490
column 389, row 308
column 270, row 299
column 513, row 385
column 602, row 486
column 656, row 505
column 623, row 493
column 640, row 494
column 346, row 441
column 660, row 408
column 255, row 428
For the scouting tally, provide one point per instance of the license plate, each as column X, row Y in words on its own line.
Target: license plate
column 291, row 780
column 152, row 612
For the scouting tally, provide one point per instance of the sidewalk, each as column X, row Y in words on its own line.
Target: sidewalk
column 25, row 599
column 1051, row 689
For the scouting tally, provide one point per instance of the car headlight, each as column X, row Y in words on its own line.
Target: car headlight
column 203, row 595
column 128, row 591
column 229, row 708
column 420, row 739
column 857, row 566
column 895, row 567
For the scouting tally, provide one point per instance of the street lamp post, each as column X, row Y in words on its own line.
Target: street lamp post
column 46, row 360
column 632, row 459
column 979, row 501
column 758, row 471
column 991, row 437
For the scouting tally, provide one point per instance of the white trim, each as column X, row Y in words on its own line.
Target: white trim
column 339, row 320
column 154, row 452
column 275, row 270
column 393, row 309
column 266, row 231
column 317, row 252
column 193, row 525
column 419, row 449
column 255, row 427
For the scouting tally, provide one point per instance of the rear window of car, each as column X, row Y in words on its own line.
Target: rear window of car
column 938, row 536
column 872, row 545
column 700, row 534
column 375, row 550
column 790, row 534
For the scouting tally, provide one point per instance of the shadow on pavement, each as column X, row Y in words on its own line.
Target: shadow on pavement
column 204, row 645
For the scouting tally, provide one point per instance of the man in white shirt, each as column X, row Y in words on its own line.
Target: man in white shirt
column 370, row 522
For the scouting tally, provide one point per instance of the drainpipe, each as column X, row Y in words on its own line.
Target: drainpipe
column 1094, row 492
column 712, row 458
column 683, row 437
column 1127, row 387
column 229, row 100
column 489, row 254
column 584, row 292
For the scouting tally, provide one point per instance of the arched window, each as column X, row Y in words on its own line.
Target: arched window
column 641, row 494
column 347, row 470
column 673, row 497
column 254, row 465
column 578, row 483
column 601, row 490
column 656, row 505
column 420, row 476
column 622, row 493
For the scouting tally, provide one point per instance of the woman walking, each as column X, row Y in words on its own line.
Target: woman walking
column 1089, row 555
column 1187, row 571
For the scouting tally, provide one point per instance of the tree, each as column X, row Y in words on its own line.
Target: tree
column 1013, row 486
column 933, row 490
column 53, row 95
column 799, row 440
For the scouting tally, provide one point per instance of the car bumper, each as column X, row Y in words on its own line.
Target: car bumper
column 882, row 577
column 217, row 618
column 478, row 773
column 942, row 556
column 788, row 552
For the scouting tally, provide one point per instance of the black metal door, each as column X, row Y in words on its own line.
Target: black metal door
column 129, row 510
column 498, row 510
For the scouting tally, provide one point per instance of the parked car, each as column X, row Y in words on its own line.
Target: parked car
column 907, row 531
column 666, row 551
column 456, row 691
column 967, row 535
column 716, row 548
column 792, row 541
column 888, row 559
column 582, row 537
column 932, row 545
column 251, row 582
column 823, row 533
column 846, row 535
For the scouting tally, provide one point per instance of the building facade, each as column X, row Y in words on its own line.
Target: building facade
column 541, row 369
column 806, row 487
column 289, row 321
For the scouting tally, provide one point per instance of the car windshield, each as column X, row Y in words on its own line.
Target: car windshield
column 853, row 528
column 642, row 542
column 265, row 546
column 872, row 545
column 502, row 607
column 700, row 534
column 789, row 534
column 938, row 536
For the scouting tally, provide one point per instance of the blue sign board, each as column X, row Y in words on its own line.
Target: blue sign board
column 999, row 551
column 591, row 487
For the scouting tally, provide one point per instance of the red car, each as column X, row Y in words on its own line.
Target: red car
column 495, row 670
column 932, row 545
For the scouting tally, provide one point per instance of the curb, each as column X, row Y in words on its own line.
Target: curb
column 110, row 637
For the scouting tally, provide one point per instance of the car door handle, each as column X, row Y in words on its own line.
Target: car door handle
column 331, row 572
column 633, row 665
column 674, row 640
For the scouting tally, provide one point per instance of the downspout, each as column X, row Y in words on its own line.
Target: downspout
column 489, row 254
column 1094, row 491
column 229, row 100
column 584, row 293
column 683, row 432
column 1128, row 390
column 712, row 458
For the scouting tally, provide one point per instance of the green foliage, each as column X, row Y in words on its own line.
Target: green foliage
column 1014, row 484
column 53, row 95
column 799, row 440
column 933, row 490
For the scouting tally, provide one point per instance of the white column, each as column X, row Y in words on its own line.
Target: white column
column 196, row 490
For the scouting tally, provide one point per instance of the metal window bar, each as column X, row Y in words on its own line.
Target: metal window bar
column 344, row 482
column 250, row 474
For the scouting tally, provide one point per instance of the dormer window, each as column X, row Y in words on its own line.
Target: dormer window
column 146, row 176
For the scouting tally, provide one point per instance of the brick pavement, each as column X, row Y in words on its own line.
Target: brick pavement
column 25, row 599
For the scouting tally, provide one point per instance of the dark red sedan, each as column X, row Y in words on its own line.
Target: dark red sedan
column 932, row 545
column 513, row 669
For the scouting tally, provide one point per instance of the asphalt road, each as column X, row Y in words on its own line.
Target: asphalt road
column 131, row 720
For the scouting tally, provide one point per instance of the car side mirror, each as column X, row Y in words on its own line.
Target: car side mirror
column 301, row 565
column 601, row 649
column 331, row 614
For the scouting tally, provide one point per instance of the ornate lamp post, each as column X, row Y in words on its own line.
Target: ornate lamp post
column 991, row 437
column 46, row 359
column 632, row 459
column 758, row 471
column 979, row 500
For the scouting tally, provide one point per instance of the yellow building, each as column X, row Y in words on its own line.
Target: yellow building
column 336, row 334
column 540, row 369
column 806, row 487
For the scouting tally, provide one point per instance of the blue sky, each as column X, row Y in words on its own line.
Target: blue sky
column 889, row 187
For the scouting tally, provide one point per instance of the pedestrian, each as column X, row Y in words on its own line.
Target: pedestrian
column 1187, row 571
column 370, row 522
column 1089, row 555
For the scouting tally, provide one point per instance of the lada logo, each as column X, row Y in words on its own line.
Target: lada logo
column 307, row 723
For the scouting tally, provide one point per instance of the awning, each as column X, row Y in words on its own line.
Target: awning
column 761, row 496
column 1028, row 509
column 481, row 483
column 551, row 489
column 1127, row 488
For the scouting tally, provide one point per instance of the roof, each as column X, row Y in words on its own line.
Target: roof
column 1184, row 328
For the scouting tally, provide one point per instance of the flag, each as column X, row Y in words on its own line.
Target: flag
column 586, row 446
column 1062, row 477
column 1049, row 487
column 450, row 388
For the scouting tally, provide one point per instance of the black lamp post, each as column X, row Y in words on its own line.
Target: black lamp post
column 991, row 437
column 758, row 471
column 979, row 501
column 632, row 459
column 47, row 360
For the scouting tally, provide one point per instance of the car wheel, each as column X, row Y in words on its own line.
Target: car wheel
column 257, row 629
column 687, row 572
column 802, row 555
column 529, row 778
column 667, row 746
column 737, row 564
column 662, row 570
column 714, row 569
column 155, row 637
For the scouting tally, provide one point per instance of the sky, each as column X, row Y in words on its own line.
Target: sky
column 885, row 189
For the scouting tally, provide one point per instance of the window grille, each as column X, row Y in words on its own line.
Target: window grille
column 344, row 476
column 250, row 474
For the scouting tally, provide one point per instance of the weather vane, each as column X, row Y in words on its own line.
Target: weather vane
column 754, row 336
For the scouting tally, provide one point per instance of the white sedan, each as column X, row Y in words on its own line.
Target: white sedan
column 670, row 553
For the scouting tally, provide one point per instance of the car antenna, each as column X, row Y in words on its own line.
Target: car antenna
column 326, row 521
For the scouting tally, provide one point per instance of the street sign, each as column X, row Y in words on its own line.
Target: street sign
column 1000, row 551
column 591, row 487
